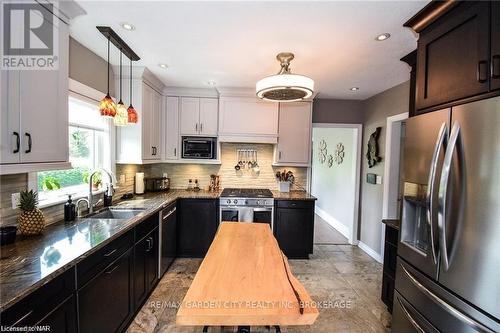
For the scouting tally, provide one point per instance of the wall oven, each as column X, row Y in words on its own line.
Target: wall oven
column 199, row 148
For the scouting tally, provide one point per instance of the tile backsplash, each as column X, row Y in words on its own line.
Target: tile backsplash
column 180, row 174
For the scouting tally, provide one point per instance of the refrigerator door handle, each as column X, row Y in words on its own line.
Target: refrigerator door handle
column 443, row 193
column 447, row 307
column 410, row 318
column 440, row 143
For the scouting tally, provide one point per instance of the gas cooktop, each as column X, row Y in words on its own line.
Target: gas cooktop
column 246, row 193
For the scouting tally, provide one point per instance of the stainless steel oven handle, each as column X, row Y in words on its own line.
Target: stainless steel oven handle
column 443, row 192
column 440, row 142
column 447, row 307
column 410, row 318
column 261, row 209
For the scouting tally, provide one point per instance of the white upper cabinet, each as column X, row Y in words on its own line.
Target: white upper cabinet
column 247, row 119
column 190, row 115
column 294, row 137
column 199, row 116
column 142, row 143
column 34, row 114
column 171, row 126
column 209, row 114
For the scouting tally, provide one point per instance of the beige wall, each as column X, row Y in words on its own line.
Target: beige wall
column 376, row 109
column 88, row 68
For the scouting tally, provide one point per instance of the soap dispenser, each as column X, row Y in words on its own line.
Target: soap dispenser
column 69, row 210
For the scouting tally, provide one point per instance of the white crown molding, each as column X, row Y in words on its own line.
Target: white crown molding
column 139, row 73
column 190, row 92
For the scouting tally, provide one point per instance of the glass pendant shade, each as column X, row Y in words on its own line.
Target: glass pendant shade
column 107, row 107
column 121, row 118
column 285, row 86
column 133, row 118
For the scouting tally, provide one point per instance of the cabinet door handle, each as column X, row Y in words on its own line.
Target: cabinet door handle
column 482, row 71
column 279, row 155
column 29, row 143
column 22, row 318
column 196, row 127
column 18, row 142
column 175, row 151
column 495, row 66
column 112, row 269
column 110, row 253
column 201, row 127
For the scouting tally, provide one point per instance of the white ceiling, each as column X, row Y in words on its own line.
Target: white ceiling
column 235, row 43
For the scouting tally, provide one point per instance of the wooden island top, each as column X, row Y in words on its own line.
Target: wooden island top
column 245, row 280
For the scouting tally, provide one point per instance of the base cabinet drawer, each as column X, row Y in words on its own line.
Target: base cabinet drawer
column 105, row 302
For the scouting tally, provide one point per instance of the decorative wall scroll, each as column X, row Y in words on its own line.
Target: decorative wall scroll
column 372, row 153
column 322, row 151
column 339, row 153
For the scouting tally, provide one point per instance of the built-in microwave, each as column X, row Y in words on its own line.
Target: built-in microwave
column 199, row 148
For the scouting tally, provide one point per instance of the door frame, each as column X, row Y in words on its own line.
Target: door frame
column 353, row 237
column 391, row 178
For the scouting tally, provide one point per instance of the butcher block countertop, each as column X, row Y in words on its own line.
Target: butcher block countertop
column 245, row 280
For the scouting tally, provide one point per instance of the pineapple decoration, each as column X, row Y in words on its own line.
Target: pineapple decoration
column 31, row 221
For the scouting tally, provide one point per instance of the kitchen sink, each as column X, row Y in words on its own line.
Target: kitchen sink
column 116, row 213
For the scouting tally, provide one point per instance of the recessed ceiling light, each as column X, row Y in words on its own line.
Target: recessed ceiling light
column 127, row 26
column 163, row 65
column 382, row 37
column 211, row 83
column 354, row 89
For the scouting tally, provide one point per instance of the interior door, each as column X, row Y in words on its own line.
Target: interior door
column 424, row 146
column 10, row 143
column 495, row 45
column 470, row 212
column 209, row 111
column 190, row 115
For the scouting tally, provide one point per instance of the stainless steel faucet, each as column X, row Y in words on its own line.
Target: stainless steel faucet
column 109, row 191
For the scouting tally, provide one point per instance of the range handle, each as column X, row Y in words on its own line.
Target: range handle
column 441, row 142
column 444, row 305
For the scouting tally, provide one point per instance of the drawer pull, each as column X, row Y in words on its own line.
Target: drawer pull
column 110, row 253
column 482, row 71
column 166, row 216
column 495, row 66
column 22, row 318
column 112, row 269
column 410, row 318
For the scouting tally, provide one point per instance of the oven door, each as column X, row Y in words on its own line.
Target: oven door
column 229, row 214
column 263, row 215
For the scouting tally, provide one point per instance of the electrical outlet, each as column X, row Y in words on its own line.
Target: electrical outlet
column 122, row 179
column 15, row 197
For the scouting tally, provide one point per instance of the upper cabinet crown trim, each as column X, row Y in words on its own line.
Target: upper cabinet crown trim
column 190, row 92
column 429, row 14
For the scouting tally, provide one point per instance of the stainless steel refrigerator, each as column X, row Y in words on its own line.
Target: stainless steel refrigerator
column 448, row 270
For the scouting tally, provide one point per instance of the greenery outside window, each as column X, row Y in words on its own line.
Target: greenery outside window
column 89, row 149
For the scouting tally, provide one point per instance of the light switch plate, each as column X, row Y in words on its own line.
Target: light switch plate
column 379, row 180
column 15, row 197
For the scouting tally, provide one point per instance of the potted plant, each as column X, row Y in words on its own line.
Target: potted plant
column 31, row 220
column 96, row 180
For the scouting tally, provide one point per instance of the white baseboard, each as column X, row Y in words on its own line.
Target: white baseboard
column 344, row 230
column 371, row 252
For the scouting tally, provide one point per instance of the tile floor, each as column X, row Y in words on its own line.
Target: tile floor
column 340, row 274
column 326, row 234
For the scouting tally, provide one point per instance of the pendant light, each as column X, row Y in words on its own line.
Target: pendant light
column 131, row 112
column 107, row 106
column 121, row 118
column 285, row 86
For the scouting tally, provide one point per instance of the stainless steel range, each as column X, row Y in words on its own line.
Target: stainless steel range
column 247, row 205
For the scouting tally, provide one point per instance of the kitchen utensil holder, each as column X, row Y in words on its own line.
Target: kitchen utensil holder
column 284, row 187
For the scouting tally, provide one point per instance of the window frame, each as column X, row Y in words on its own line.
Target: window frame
column 85, row 93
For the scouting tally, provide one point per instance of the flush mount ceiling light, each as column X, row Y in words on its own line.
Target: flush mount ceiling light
column 285, row 86
column 163, row 66
column 354, row 89
column 382, row 37
column 127, row 26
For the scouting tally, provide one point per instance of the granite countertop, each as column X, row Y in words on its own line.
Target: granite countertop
column 33, row 261
column 292, row 195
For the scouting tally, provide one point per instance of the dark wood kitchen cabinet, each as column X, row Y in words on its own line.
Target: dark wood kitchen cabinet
column 453, row 56
column 390, row 256
column 145, row 267
column 495, row 45
column 197, row 222
column 52, row 305
column 105, row 303
column 294, row 227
